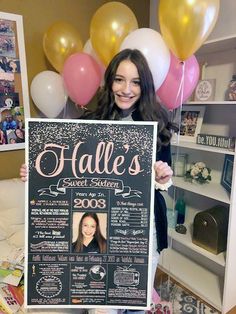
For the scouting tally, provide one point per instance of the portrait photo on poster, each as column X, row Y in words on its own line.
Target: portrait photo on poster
column 89, row 232
column 191, row 122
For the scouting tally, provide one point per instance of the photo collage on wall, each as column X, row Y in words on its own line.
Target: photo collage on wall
column 11, row 100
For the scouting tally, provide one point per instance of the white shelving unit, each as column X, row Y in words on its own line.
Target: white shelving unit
column 202, row 147
column 186, row 240
column 211, row 277
column 212, row 190
column 195, row 277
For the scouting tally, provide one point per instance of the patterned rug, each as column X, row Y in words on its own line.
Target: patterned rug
column 181, row 301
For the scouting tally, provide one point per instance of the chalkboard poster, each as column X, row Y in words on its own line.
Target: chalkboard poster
column 90, row 213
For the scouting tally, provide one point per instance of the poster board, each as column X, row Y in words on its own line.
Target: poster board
column 14, row 97
column 77, row 167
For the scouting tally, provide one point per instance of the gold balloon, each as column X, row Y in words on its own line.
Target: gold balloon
column 110, row 24
column 186, row 24
column 59, row 42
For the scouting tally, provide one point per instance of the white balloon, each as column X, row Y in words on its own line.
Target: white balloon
column 153, row 47
column 88, row 48
column 48, row 93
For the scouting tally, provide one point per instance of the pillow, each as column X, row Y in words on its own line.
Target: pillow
column 12, row 194
column 11, row 221
column 5, row 249
column 3, row 234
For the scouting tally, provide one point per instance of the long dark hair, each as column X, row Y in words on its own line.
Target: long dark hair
column 98, row 235
column 147, row 107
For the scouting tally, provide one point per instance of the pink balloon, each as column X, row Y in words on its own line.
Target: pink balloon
column 82, row 77
column 169, row 93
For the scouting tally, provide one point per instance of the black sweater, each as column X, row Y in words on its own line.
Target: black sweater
column 92, row 247
column 164, row 154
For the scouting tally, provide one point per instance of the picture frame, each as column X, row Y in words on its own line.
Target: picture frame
column 226, row 178
column 14, row 95
column 191, row 122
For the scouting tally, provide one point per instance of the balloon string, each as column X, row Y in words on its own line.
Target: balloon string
column 180, row 94
column 181, row 87
column 182, row 90
column 177, row 119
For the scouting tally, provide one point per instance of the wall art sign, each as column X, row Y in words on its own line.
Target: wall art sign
column 90, row 210
column 14, row 97
column 225, row 142
column 205, row 90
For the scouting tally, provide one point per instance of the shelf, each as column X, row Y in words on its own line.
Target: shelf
column 207, row 285
column 212, row 102
column 217, row 45
column 191, row 145
column 186, row 240
column 211, row 190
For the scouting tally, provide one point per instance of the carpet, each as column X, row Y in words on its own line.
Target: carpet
column 179, row 301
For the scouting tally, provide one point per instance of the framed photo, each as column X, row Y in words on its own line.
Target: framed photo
column 14, row 97
column 226, row 178
column 191, row 122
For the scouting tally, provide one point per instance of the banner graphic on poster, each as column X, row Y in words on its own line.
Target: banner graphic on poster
column 89, row 213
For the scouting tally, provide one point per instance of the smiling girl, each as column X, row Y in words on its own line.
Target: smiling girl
column 90, row 238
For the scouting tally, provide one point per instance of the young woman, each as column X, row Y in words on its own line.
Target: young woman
column 90, row 238
column 129, row 94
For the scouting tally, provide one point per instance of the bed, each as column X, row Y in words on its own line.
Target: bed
column 12, row 229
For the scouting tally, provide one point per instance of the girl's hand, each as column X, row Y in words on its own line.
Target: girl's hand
column 24, row 173
column 163, row 172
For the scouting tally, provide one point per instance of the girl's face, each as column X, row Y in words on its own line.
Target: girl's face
column 19, row 133
column 88, row 227
column 126, row 85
